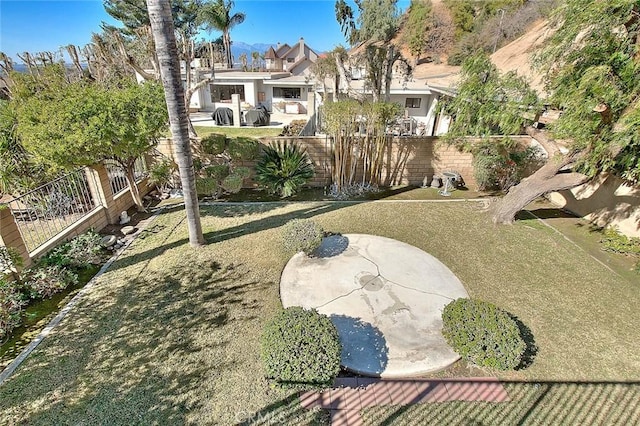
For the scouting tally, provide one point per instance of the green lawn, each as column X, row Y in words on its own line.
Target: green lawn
column 232, row 132
column 170, row 335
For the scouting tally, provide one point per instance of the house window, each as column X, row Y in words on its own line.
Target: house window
column 291, row 60
column 286, row 92
column 222, row 93
column 412, row 103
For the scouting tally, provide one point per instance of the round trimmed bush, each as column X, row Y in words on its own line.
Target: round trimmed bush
column 302, row 235
column 301, row 349
column 483, row 334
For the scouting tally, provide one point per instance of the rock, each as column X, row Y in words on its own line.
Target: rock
column 126, row 230
column 108, row 241
column 117, row 246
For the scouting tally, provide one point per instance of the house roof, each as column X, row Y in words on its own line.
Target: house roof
column 284, row 48
column 271, row 53
column 294, row 80
column 248, row 75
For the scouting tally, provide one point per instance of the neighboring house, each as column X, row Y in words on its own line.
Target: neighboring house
column 418, row 95
column 284, row 86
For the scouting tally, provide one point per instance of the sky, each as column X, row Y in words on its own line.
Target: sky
column 47, row 25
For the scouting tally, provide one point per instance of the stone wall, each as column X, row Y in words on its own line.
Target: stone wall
column 407, row 160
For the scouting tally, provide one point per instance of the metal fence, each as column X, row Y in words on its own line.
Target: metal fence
column 51, row 208
column 118, row 176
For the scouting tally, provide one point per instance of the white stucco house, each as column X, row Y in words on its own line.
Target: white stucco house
column 418, row 94
column 283, row 85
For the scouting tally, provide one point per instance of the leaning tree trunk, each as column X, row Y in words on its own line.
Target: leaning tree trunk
column 555, row 175
column 133, row 188
column 167, row 50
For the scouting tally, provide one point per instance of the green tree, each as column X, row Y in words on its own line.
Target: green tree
column 592, row 65
column 82, row 123
column 167, row 51
column 375, row 26
column 217, row 16
column 418, row 23
column 488, row 103
column 18, row 171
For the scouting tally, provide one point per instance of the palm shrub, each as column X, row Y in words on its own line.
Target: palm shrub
column 483, row 334
column 284, row 169
column 302, row 235
column 301, row 349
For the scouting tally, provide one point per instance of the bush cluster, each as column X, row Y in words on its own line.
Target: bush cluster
column 11, row 303
column 301, row 349
column 302, row 235
column 44, row 282
column 501, row 164
column 483, row 334
column 294, row 128
column 216, row 171
column 54, row 273
column 79, row 253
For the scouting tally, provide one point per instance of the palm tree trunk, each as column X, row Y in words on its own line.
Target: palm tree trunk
column 164, row 37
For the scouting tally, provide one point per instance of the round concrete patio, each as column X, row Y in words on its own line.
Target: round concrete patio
column 385, row 298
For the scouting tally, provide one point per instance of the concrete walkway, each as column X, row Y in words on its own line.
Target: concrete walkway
column 353, row 394
column 385, row 298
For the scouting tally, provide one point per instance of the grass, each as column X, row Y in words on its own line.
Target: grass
column 571, row 403
column 170, row 335
column 232, row 132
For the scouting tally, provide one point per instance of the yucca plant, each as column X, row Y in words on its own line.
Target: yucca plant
column 284, row 169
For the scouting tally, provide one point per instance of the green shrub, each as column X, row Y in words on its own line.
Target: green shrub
column 301, row 348
column 207, row 187
column 243, row 172
column 232, row 183
column 243, row 148
column 81, row 252
column 217, row 171
column 161, row 173
column 614, row 241
column 500, row 164
column 294, row 128
column 213, row 144
column 10, row 308
column 284, row 169
column 44, row 282
column 483, row 334
column 302, row 235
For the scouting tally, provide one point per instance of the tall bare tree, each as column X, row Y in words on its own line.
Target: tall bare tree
column 167, row 52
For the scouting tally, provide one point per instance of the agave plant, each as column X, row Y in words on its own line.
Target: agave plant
column 283, row 169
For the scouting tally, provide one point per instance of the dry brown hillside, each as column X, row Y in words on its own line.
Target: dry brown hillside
column 516, row 56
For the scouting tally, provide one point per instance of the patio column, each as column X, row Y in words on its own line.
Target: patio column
column 100, row 188
column 235, row 108
column 10, row 235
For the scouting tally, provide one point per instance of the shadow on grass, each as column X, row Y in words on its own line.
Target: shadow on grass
column 530, row 403
column 287, row 411
column 273, row 221
column 532, row 349
column 144, row 354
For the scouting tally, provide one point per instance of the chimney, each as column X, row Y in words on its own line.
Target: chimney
column 301, row 50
